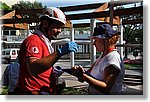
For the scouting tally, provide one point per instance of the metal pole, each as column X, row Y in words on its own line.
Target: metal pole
column 28, row 29
column 111, row 12
column 72, row 53
column 93, row 49
column 0, row 47
column 120, row 49
column 9, row 32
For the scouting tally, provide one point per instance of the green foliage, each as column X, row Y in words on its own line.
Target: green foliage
column 66, row 91
column 27, row 5
column 74, row 91
column 131, row 33
column 4, row 6
column 4, row 91
column 133, row 66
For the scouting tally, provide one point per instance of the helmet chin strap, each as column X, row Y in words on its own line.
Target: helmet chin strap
column 104, row 45
column 107, row 49
column 54, row 38
column 46, row 32
column 104, row 48
column 50, row 38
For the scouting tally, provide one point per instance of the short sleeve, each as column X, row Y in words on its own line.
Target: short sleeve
column 33, row 48
column 115, row 61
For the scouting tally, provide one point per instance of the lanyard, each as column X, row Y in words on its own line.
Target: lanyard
column 108, row 51
column 96, row 62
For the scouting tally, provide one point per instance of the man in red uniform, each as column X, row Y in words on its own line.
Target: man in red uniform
column 37, row 56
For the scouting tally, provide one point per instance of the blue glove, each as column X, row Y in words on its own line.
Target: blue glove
column 67, row 48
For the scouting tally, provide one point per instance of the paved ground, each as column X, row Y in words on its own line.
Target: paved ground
column 72, row 81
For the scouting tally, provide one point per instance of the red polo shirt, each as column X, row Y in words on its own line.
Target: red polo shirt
column 33, row 46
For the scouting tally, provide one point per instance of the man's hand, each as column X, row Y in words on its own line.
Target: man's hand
column 67, row 48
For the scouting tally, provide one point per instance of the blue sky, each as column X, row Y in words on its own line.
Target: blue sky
column 62, row 3
column 57, row 3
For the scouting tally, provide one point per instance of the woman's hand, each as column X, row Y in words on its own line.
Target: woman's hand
column 78, row 71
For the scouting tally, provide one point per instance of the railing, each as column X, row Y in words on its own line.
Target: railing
column 13, row 38
column 83, row 53
column 133, row 79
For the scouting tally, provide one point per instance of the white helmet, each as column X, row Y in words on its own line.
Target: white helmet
column 54, row 13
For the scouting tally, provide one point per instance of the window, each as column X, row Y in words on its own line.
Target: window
column 13, row 52
column 3, row 53
column 7, row 52
column 5, row 32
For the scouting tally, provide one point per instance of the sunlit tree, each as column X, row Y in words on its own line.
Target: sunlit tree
column 27, row 5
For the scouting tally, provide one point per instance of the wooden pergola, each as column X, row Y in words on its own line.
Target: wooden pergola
column 14, row 26
column 32, row 16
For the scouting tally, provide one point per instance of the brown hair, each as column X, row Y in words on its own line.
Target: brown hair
column 113, row 39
